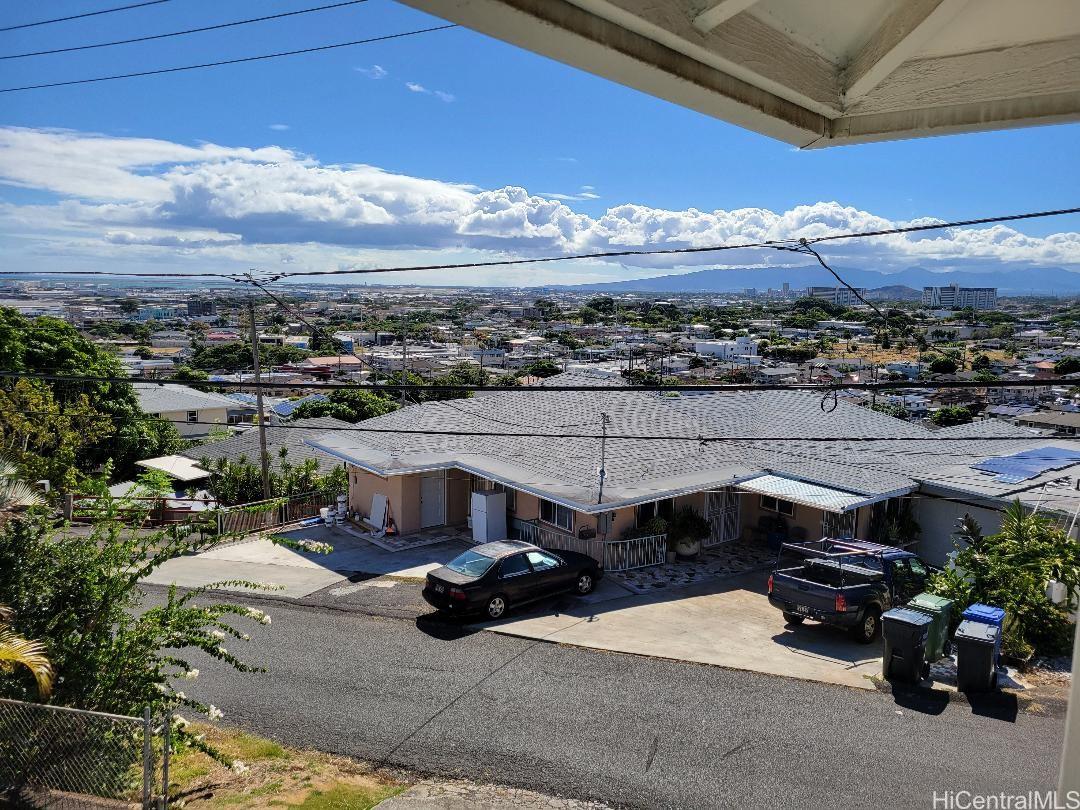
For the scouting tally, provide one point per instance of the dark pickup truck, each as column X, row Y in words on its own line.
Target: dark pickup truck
column 846, row 583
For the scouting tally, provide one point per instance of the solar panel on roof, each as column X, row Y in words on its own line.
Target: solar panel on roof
column 1028, row 464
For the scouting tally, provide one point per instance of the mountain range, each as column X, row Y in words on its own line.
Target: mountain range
column 1030, row 281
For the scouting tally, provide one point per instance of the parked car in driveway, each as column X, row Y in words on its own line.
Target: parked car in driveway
column 491, row 578
column 846, row 583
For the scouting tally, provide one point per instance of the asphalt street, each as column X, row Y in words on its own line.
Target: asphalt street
column 629, row 730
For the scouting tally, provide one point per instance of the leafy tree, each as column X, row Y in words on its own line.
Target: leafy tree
column 52, row 346
column 1067, row 365
column 144, row 352
column 236, row 356
column 980, row 363
column 589, row 315
column 46, row 439
column 604, row 304
column 639, row 376
column 240, row 481
column 541, row 368
column 78, row 595
column 951, row 415
column 943, row 365
column 1010, row 569
column 899, row 411
column 129, row 306
column 348, row 404
column 792, row 354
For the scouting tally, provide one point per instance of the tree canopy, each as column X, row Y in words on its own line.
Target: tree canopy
column 108, row 412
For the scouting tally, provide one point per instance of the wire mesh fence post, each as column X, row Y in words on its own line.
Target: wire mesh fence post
column 166, row 752
column 148, row 760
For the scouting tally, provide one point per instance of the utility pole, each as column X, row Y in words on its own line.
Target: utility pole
column 404, row 362
column 605, row 420
column 264, row 457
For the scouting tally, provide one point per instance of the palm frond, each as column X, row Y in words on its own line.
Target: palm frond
column 18, row 651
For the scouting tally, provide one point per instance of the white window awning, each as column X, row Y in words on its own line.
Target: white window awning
column 819, row 497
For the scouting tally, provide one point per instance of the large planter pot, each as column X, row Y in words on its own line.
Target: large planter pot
column 687, row 550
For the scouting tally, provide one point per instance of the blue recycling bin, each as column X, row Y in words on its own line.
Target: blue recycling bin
column 988, row 614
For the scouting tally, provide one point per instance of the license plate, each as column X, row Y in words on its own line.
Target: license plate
column 440, row 588
column 804, row 609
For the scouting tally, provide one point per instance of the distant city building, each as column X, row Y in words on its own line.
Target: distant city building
column 199, row 309
column 728, row 349
column 957, row 297
column 840, row 296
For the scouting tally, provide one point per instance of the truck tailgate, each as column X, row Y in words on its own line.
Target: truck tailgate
column 806, row 598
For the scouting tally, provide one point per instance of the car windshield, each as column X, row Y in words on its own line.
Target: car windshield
column 471, row 564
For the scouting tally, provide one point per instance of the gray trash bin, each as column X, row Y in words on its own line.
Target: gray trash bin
column 905, row 632
column 976, row 647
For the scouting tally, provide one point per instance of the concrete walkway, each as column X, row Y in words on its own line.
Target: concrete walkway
column 729, row 624
column 301, row 573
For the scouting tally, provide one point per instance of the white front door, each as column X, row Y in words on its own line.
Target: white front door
column 432, row 499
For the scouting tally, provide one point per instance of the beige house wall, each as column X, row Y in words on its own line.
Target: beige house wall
column 179, row 420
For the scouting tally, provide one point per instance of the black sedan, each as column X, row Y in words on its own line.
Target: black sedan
column 489, row 578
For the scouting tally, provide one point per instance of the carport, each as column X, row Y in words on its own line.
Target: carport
column 809, row 511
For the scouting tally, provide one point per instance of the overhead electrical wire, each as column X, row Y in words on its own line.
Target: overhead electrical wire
column 185, row 32
column 241, row 60
column 775, row 244
column 81, row 16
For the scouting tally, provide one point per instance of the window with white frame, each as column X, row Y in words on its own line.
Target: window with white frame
column 557, row 515
column 193, row 416
column 778, row 505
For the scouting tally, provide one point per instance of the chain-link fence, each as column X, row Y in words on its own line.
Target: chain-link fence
column 55, row 757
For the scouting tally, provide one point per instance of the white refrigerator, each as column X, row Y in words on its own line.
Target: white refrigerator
column 488, row 516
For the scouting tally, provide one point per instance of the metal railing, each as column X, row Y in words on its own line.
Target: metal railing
column 557, row 541
column 637, row 552
column 275, row 513
column 56, row 757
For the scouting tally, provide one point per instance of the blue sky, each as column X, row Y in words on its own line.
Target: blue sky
column 489, row 116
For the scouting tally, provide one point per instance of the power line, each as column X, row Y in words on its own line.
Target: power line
column 775, row 244
column 261, row 57
column 181, row 33
column 80, row 16
column 662, row 387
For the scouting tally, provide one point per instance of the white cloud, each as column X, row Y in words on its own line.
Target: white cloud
column 439, row 94
column 279, row 127
column 374, row 72
column 121, row 202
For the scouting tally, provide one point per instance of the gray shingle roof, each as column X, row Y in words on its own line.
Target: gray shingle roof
column 155, row 398
column 567, row 468
column 291, row 437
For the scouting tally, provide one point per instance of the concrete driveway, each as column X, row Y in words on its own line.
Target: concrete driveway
column 300, row 574
column 728, row 623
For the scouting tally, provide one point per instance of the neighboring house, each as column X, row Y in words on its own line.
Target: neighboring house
column 193, row 413
column 759, row 475
column 1061, row 422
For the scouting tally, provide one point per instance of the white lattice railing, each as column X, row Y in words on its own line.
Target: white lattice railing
column 637, row 552
column 557, row 541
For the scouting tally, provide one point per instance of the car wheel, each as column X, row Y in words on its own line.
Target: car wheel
column 794, row 618
column 496, row 607
column 586, row 581
column 868, row 630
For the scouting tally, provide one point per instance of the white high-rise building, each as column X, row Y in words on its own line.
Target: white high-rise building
column 957, row 297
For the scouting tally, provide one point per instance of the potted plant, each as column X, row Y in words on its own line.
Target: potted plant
column 686, row 532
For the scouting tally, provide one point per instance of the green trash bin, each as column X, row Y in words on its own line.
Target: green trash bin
column 940, row 610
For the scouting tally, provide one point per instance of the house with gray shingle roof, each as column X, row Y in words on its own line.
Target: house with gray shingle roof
column 759, row 465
